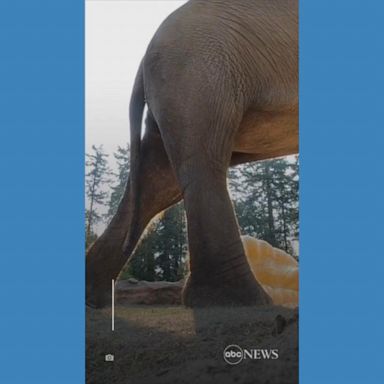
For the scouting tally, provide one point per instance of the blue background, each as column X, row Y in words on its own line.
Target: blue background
column 42, row 196
column 341, row 191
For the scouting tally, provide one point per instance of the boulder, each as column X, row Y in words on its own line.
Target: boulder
column 149, row 292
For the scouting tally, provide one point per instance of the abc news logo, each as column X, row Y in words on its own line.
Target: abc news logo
column 233, row 354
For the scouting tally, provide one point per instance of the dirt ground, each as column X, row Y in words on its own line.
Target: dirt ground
column 165, row 344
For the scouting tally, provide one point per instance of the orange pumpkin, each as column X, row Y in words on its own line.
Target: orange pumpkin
column 274, row 269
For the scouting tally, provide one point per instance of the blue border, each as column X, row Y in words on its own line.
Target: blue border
column 42, row 150
column 341, row 188
column 41, row 247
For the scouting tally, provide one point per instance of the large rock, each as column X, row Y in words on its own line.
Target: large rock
column 149, row 292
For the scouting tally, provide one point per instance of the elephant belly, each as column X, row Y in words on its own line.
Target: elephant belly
column 268, row 134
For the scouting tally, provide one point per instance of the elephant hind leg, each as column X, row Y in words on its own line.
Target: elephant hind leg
column 219, row 271
column 158, row 190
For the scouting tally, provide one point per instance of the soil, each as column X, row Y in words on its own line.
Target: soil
column 173, row 344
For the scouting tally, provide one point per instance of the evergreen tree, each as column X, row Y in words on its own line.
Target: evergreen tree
column 95, row 180
column 246, row 185
column 162, row 253
column 121, row 177
column 143, row 265
column 266, row 200
column 286, row 191
column 172, row 244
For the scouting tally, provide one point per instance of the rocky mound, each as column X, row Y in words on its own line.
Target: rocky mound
column 132, row 291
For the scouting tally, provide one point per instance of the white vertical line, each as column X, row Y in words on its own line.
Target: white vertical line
column 113, row 304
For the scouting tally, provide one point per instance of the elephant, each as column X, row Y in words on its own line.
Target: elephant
column 219, row 85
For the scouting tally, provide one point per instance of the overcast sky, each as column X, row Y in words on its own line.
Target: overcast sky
column 117, row 33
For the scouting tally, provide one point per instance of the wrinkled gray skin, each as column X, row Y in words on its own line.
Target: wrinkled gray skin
column 220, row 81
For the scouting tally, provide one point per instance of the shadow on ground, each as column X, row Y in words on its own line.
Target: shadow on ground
column 164, row 345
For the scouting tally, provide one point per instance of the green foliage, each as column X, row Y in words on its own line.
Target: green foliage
column 172, row 244
column 121, row 177
column 265, row 197
column 96, row 177
column 142, row 266
column 162, row 253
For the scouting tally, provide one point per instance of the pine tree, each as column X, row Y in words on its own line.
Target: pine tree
column 172, row 244
column 162, row 253
column 143, row 265
column 121, row 177
column 285, row 194
column 268, row 188
column 266, row 200
column 95, row 180
column 249, row 198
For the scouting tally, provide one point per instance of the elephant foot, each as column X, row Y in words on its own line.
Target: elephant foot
column 215, row 292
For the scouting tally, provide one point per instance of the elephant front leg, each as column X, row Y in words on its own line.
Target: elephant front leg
column 220, row 273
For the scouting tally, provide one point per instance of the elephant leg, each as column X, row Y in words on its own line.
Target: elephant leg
column 158, row 190
column 219, row 271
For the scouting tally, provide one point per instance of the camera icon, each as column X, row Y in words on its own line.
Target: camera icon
column 109, row 357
